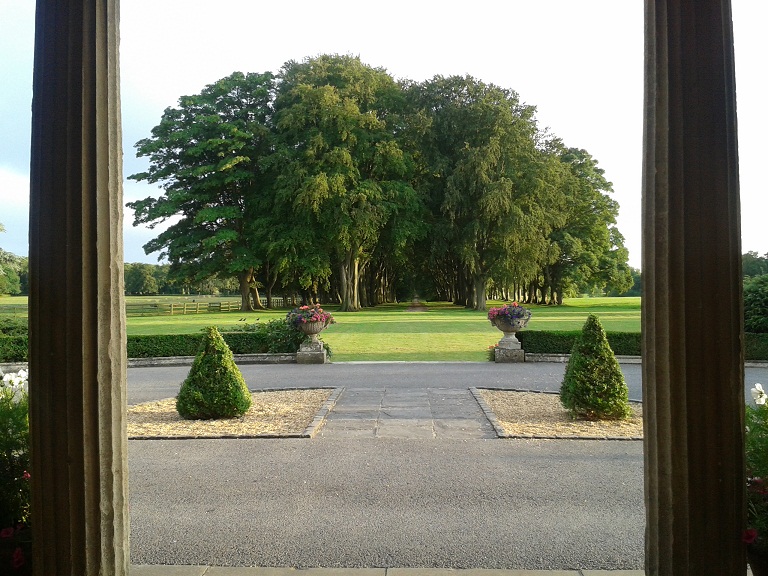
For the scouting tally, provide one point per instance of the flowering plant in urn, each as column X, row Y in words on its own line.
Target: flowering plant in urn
column 509, row 318
column 306, row 314
column 511, row 314
column 311, row 320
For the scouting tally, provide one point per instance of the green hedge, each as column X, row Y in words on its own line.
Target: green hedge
column 162, row 345
column 275, row 336
column 546, row 342
column 756, row 346
column 14, row 348
column 148, row 346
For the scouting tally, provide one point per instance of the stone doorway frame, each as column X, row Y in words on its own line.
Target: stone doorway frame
column 693, row 381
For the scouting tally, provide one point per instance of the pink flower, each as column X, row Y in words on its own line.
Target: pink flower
column 26, row 475
column 749, row 535
column 6, row 532
column 18, row 559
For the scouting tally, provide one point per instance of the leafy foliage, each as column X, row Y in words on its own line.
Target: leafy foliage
column 140, row 279
column 484, row 177
column 752, row 264
column 756, row 304
column 276, row 337
column 13, row 326
column 162, row 345
column 562, row 342
column 584, row 246
column 14, row 348
column 214, row 387
column 14, row 457
column 343, row 176
column 333, row 180
column 755, row 346
column 207, row 155
column 593, row 385
column 756, row 451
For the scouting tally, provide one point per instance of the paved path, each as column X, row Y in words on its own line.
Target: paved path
column 416, row 413
column 406, row 473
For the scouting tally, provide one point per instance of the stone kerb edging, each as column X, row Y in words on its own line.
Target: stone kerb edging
column 287, row 358
column 291, row 359
column 564, row 358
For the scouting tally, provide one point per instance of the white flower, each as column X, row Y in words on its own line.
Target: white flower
column 15, row 382
column 758, row 394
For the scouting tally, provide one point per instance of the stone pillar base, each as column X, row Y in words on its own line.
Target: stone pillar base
column 311, row 353
column 510, row 355
column 311, row 357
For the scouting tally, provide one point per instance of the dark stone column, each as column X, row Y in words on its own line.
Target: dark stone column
column 77, row 327
column 693, row 368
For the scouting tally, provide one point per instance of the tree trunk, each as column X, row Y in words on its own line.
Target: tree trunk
column 249, row 294
column 365, row 300
column 271, row 280
column 254, row 292
column 350, row 297
column 245, row 301
column 480, row 283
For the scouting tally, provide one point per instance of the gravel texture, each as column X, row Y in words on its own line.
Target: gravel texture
column 273, row 413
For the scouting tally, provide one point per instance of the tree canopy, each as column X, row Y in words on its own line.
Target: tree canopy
column 208, row 156
column 334, row 180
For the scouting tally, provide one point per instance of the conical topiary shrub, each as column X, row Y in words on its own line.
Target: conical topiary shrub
column 214, row 387
column 593, row 386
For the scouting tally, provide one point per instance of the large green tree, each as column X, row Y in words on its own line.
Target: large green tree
column 208, row 156
column 752, row 264
column 485, row 177
column 584, row 246
column 10, row 267
column 140, row 279
column 342, row 175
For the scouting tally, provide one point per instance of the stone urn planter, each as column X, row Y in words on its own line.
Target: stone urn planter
column 510, row 329
column 310, row 320
column 510, row 319
column 312, row 329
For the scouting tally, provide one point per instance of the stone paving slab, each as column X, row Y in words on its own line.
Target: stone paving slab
column 238, row 571
column 476, row 572
column 613, row 572
column 158, row 570
column 403, row 413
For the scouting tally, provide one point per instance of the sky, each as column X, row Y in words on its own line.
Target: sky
column 579, row 62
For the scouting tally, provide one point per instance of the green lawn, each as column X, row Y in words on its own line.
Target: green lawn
column 389, row 332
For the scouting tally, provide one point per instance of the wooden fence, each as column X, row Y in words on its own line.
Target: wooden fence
column 14, row 310
column 160, row 308
column 180, row 308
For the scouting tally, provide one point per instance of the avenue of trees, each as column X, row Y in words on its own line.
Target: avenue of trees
column 332, row 179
